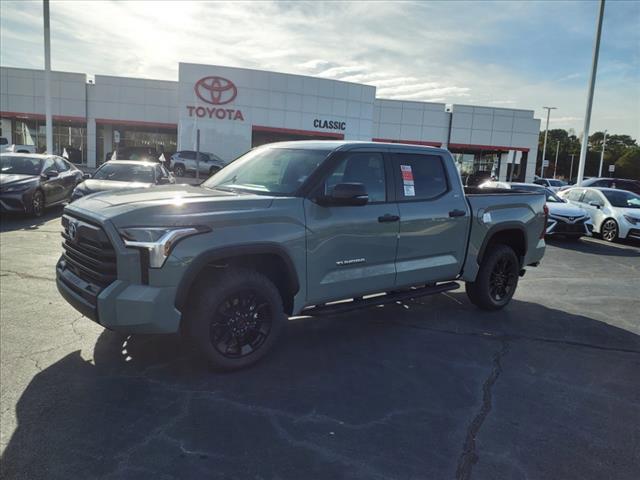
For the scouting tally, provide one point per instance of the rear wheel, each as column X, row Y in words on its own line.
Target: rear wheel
column 609, row 230
column 236, row 318
column 497, row 279
column 179, row 170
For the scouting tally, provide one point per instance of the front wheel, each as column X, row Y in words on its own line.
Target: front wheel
column 179, row 170
column 497, row 279
column 609, row 230
column 235, row 319
column 37, row 204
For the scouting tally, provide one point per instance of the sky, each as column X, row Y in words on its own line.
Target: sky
column 505, row 54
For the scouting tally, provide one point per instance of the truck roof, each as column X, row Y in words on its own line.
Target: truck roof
column 331, row 145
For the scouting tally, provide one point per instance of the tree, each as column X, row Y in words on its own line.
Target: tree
column 628, row 165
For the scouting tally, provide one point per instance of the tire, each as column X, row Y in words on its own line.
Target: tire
column 609, row 230
column 497, row 279
column 220, row 322
column 179, row 170
column 37, row 204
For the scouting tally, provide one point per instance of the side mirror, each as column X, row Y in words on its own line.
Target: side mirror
column 49, row 174
column 86, row 176
column 346, row 194
column 595, row 204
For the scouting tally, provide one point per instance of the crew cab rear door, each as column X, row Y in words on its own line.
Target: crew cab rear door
column 434, row 218
column 351, row 249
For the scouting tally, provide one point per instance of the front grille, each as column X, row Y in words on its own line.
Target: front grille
column 88, row 262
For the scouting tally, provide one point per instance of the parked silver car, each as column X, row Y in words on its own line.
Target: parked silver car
column 564, row 219
column 615, row 213
column 184, row 162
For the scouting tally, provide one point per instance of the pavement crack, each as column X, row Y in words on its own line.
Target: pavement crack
column 469, row 456
column 29, row 276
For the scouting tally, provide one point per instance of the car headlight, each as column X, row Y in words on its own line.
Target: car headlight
column 17, row 188
column 632, row 220
column 157, row 241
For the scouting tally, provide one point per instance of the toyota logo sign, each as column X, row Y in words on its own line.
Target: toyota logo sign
column 73, row 230
column 216, row 90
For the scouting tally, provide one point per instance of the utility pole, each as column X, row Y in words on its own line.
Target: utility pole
column 555, row 167
column 47, row 78
column 592, row 83
column 546, row 132
column 604, row 142
column 198, row 154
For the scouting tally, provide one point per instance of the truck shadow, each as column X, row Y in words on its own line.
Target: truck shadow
column 383, row 393
column 15, row 221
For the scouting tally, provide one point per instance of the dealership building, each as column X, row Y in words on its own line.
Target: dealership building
column 234, row 109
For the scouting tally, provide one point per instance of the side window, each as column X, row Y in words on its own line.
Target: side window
column 49, row 165
column 601, row 183
column 204, row 157
column 366, row 168
column 419, row 177
column 188, row 155
column 540, row 182
column 61, row 164
column 592, row 196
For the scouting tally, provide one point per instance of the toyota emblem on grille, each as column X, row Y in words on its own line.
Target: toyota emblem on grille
column 216, row 90
column 73, row 230
column 571, row 219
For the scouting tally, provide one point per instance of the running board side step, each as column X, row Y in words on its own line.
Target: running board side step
column 355, row 304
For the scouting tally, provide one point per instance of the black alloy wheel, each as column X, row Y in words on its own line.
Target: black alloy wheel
column 503, row 278
column 179, row 171
column 241, row 324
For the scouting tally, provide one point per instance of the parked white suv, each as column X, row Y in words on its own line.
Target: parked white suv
column 184, row 162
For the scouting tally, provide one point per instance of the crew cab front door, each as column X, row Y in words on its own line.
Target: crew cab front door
column 351, row 249
column 434, row 219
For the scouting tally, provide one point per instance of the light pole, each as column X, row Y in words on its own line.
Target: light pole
column 546, row 132
column 555, row 166
column 48, row 126
column 604, row 142
column 592, row 84
column 571, row 171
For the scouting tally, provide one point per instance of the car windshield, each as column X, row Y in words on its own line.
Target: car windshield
column 622, row 199
column 552, row 197
column 557, row 183
column 20, row 165
column 125, row 173
column 278, row 171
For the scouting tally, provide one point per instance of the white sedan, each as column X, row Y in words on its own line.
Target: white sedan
column 615, row 213
column 564, row 218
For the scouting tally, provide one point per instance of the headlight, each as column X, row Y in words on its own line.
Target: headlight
column 158, row 241
column 632, row 220
column 17, row 188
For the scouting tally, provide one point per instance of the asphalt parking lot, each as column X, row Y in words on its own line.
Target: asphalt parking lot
column 548, row 388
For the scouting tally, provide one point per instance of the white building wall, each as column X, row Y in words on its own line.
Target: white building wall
column 400, row 120
column 22, row 91
column 273, row 100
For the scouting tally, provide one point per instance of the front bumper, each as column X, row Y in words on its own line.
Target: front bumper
column 557, row 225
column 14, row 202
column 122, row 306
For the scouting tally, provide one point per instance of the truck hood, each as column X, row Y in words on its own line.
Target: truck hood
column 167, row 205
column 565, row 210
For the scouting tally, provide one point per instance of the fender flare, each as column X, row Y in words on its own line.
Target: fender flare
column 204, row 258
column 502, row 227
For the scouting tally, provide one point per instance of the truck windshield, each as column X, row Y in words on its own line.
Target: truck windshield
column 278, row 171
column 125, row 173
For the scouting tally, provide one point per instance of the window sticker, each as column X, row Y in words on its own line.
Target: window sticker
column 407, row 174
column 409, row 190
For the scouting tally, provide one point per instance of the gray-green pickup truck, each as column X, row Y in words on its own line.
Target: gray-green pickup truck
column 288, row 229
